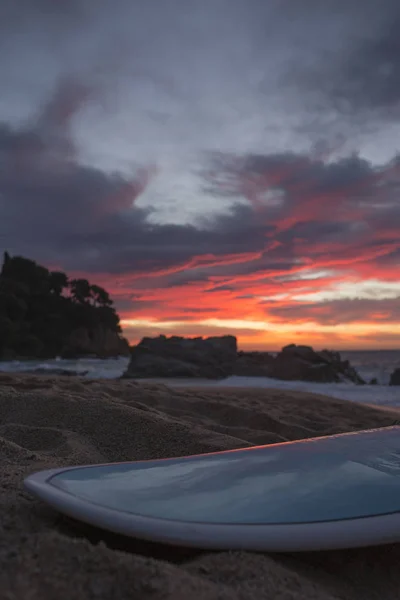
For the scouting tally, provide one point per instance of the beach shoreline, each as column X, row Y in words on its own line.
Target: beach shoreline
column 53, row 421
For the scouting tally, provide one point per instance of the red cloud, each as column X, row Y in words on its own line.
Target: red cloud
column 296, row 258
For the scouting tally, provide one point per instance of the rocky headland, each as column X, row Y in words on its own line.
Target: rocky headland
column 44, row 314
column 218, row 358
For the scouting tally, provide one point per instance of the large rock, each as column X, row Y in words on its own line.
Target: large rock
column 395, row 377
column 212, row 357
column 305, row 364
column 217, row 358
column 253, row 364
column 100, row 342
column 297, row 363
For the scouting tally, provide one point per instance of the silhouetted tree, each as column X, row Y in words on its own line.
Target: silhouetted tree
column 6, row 259
column 99, row 296
column 58, row 281
column 40, row 308
column 80, row 290
column 26, row 271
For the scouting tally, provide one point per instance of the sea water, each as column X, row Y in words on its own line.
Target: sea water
column 369, row 364
column 93, row 368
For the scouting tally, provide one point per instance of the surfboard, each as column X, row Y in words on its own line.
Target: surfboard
column 323, row 493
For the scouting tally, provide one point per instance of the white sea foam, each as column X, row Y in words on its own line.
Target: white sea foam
column 92, row 367
column 368, row 364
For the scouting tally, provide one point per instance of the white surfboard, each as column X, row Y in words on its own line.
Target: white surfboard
column 324, row 493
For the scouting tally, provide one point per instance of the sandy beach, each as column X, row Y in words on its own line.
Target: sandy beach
column 48, row 422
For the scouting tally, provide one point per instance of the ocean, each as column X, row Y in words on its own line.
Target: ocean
column 369, row 364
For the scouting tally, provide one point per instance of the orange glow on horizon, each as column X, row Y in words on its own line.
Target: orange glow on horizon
column 252, row 336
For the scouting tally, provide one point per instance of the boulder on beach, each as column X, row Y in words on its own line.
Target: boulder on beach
column 254, row 364
column 297, row 363
column 210, row 358
column 395, row 377
column 217, row 358
column 305, row 364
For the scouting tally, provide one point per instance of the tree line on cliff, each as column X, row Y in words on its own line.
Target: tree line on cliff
column 43, row 313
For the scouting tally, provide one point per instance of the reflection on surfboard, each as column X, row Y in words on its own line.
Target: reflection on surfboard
column 337, row 478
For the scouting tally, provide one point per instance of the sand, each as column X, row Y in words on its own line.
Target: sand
column 49, row 422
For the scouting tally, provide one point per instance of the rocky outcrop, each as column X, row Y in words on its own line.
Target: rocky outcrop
column 305, row 364
column 99, row 342
column 253, row 364
column 213, row 357
column 217, row 358
column 395, row 377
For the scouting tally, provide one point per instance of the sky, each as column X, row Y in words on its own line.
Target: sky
column 220, row 167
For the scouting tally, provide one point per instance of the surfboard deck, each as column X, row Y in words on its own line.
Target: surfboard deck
column 332, row 492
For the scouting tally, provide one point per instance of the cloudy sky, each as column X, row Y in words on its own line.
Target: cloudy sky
column 223, row 166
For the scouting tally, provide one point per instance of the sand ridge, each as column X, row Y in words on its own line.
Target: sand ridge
column 47, row 422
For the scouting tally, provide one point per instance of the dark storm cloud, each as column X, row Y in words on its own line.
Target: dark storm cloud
column 362, row 76
column 308, row 189
column 236, row 74
column 371, row 76
column 288, row 172
column 55, row 209
column 61, row 212
column 375, row 66
column 74, row 218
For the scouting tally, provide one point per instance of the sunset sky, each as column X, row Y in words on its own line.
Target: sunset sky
column 219, row 166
